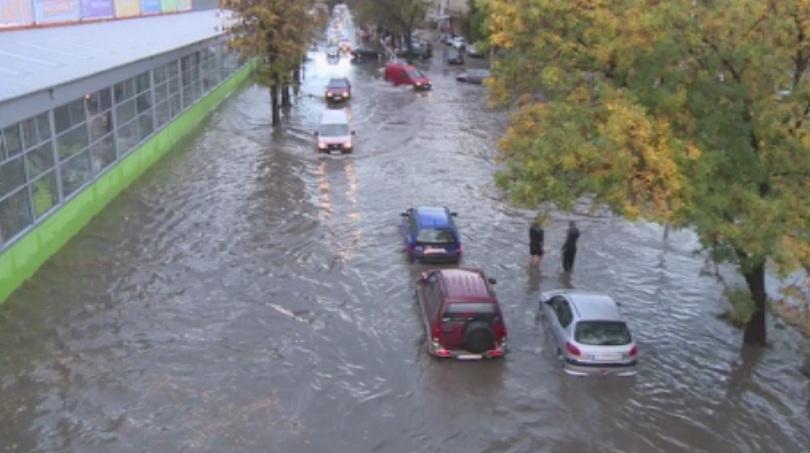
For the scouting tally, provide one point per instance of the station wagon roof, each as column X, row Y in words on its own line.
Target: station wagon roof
column 465, row 285
column 595, row 306
column 432, row 217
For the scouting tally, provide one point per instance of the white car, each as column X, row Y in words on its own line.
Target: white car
column 589, row 333
column 458, row 42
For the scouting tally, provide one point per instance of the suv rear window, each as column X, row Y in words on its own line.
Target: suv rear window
column 465, row 308
column 602, row 333
column 433, row 236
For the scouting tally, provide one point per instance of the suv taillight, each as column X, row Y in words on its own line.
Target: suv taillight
column 633, row 352
column 437, row 331
column 573, row 350
column 500, row 329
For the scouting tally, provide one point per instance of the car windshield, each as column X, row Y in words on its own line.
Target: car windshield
column 415, row 74
column 334, row 130
column 602, row 333
column 434, row 236
column 337, row 83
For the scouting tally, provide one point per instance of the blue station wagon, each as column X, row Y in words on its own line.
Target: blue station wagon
column 431, row 235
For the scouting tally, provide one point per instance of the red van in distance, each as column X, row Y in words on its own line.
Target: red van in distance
column 404, row 74
column 461, row 314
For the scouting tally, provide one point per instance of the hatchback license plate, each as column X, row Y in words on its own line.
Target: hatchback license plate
column 607, row 357
column 469, row 356
column 431, row 250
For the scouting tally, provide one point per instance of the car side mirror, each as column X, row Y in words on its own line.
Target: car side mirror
column 354, row 132
column 454, row 214
column 404, row 214
column 492, row 281
column 315, row 133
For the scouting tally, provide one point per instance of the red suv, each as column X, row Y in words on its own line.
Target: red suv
column 461, row 314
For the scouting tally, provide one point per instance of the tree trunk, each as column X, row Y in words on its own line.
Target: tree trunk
column 285, row 96
column 409, row 42
column 755, row 329
column 297, row 80
column 274, row 104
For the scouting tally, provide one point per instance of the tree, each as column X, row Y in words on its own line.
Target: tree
column 278, row 33
column 398, row 16
column 690, row 113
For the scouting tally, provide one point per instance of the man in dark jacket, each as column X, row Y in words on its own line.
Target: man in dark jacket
column 536, row 236
column 569, row 249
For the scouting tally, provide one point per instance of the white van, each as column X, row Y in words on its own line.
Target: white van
column 333, row 132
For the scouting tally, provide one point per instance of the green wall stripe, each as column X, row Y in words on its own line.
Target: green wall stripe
column 20, row 261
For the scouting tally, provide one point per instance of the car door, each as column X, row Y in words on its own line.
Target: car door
column 406, row 227
column 557, row 320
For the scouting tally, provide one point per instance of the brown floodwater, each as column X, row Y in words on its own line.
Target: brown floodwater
column 248, row 294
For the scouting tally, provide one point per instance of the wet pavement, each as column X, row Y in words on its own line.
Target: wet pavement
column 248, row 294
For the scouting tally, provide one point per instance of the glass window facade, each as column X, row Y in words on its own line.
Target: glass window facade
column 48, row 158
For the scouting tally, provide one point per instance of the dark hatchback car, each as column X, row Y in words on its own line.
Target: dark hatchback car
column 431, row 235
column 338, row 90
column 461, row 315
column 362, row 54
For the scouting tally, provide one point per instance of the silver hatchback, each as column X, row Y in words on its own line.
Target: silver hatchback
column 589, row 333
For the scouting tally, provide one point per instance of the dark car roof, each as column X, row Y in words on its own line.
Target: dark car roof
column 338, row 83
column 466, row 285
column 432, row 217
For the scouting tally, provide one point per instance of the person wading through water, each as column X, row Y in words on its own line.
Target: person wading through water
column 536, row 241
column 569, row 249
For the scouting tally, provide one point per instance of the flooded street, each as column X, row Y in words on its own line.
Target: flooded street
column 249, row 294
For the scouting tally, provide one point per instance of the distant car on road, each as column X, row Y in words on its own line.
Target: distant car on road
column 338, row 89
column 431, row 235
column 458, row 42
column 589, row 333
column 454, row 56
column 361, row 54
column 474, row 76
column 405, row 74
column 461, row 314
column 333, row 132
column 332, row 52
column 420, row 49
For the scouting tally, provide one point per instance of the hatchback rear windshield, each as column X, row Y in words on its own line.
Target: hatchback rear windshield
column 602, row 333
column 334, row 130
column 433, row 236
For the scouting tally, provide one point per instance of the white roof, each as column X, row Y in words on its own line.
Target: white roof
column 39, row 58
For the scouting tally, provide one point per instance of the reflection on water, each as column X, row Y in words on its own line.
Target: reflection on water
column 249, row 294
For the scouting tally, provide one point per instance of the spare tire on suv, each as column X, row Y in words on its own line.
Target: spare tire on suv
column 479, row 337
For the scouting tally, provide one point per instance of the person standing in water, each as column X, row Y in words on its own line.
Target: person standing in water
column 536, row 236
column 569, row 249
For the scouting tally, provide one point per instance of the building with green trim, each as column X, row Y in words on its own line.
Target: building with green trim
column 86, row 109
